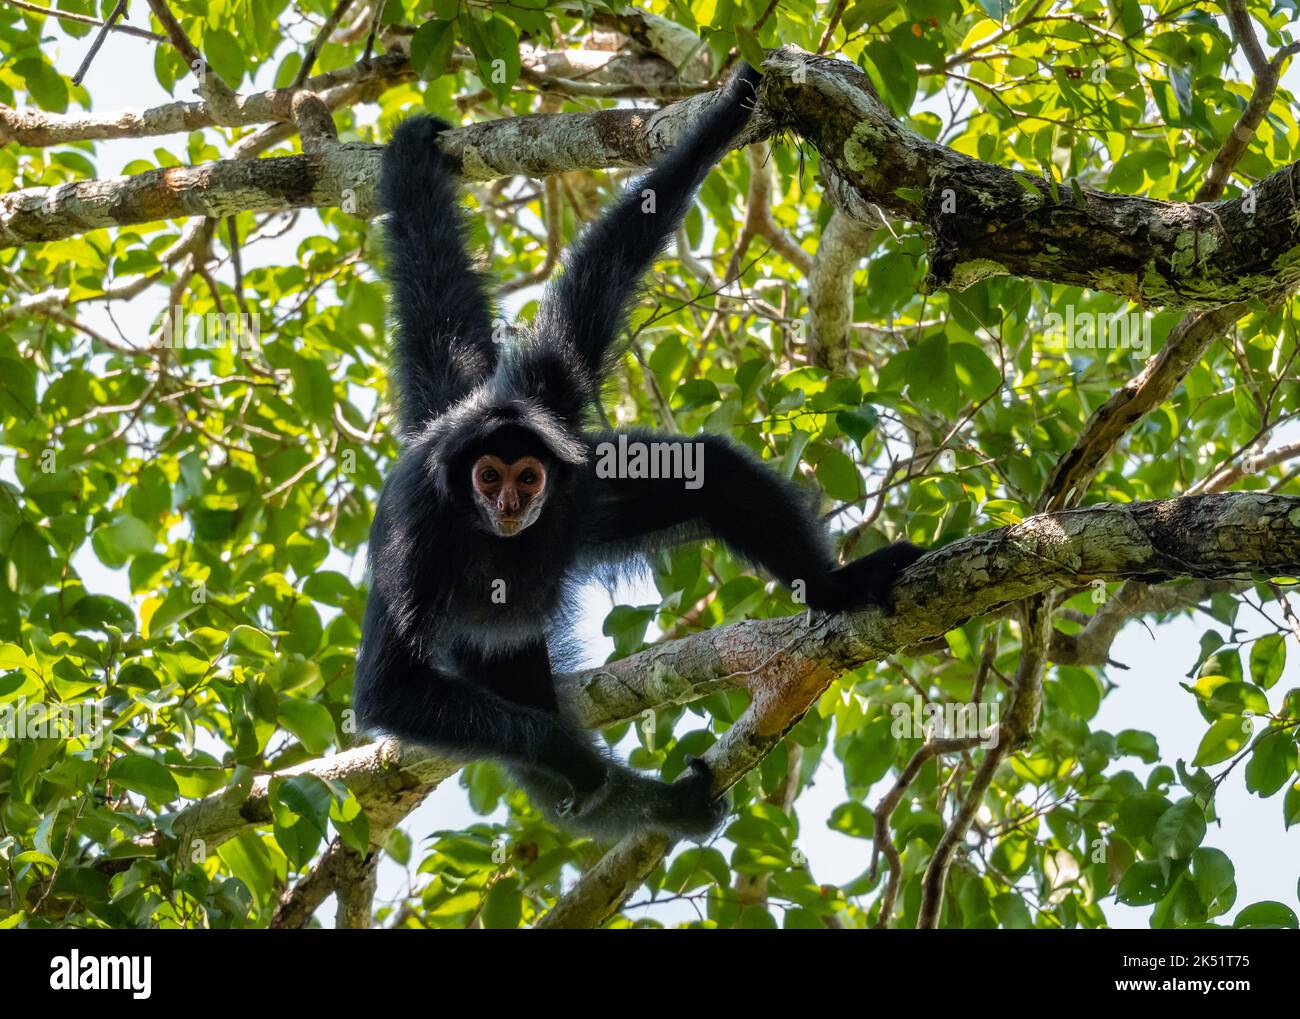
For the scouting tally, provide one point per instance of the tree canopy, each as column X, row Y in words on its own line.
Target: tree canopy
column 1012, row 281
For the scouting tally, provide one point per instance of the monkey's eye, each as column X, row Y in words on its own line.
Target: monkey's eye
column 488, row 476
column 528, row 477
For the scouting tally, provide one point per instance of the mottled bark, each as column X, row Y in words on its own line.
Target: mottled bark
column 787, row 663
column 842, row 245
column 984, row 219
column 988, row 220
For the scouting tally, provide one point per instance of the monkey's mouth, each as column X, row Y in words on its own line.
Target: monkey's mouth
column 508, row 528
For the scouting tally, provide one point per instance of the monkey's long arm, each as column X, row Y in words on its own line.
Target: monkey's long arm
column 443, row 345
column 583, row 310
column 754, row 511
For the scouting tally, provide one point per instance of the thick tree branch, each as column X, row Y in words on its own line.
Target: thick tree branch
column 988, row 220
column 786, row 662
column 1155, row 535
column 842, row 245
column 984, row 219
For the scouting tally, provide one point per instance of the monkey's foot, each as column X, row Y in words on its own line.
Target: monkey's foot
column 693, row 810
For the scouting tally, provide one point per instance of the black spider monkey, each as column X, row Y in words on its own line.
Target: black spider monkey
column 494, row 513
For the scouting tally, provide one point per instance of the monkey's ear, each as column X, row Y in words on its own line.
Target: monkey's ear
column 439, row 467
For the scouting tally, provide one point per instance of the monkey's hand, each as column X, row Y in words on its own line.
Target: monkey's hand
column 412, row 154
column 737, row 101
column 866, row 581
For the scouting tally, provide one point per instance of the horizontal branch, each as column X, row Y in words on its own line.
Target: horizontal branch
column 1209, row 536
column 785, row 663
column 988, row 220
column 984, row 219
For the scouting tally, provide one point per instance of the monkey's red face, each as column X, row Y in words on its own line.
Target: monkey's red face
column 510, row 495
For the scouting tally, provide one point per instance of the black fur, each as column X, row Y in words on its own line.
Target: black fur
column 445, row 663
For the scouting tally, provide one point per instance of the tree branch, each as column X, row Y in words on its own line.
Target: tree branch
column 785, row 663
column 1150, row 251
column 1167, row 537
column 842, row 245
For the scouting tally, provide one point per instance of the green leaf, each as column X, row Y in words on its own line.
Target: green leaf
column 1138, row 744
column 858, row 424
column 1247, row 408
column 893, row 74
column 125, row 537
column 1267, row 659
column 431, row 48
column 1143, row 883
column 695, row 394
column 500, row 68
column 931, row 378
column 1180, row 830
column 750, row 47
column 1028, row 183
column 838, row 475
column 975, row 371
column 1291, row 805
column 44, row 83
column 145, row 776
column 12, row 656
column 329, row 587
column 225, row 55
column 1225, row 696
column 1272, row 761
column 179, row 603
column 310, row 722
column 1267, row 914
column 304, row 796
column 1138, row 815
column 312, row 388
column 1012, row 913
column 1225, row 738
column 250, row 642
column 350, row 821
column 504, row 907
column 1215, row 880
column 1181, row 80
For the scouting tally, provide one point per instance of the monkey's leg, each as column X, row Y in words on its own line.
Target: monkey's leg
column 726, row 491
column 398, row 692
column 625, row 800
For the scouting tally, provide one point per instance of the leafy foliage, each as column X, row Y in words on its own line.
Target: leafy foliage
column 181, row 527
